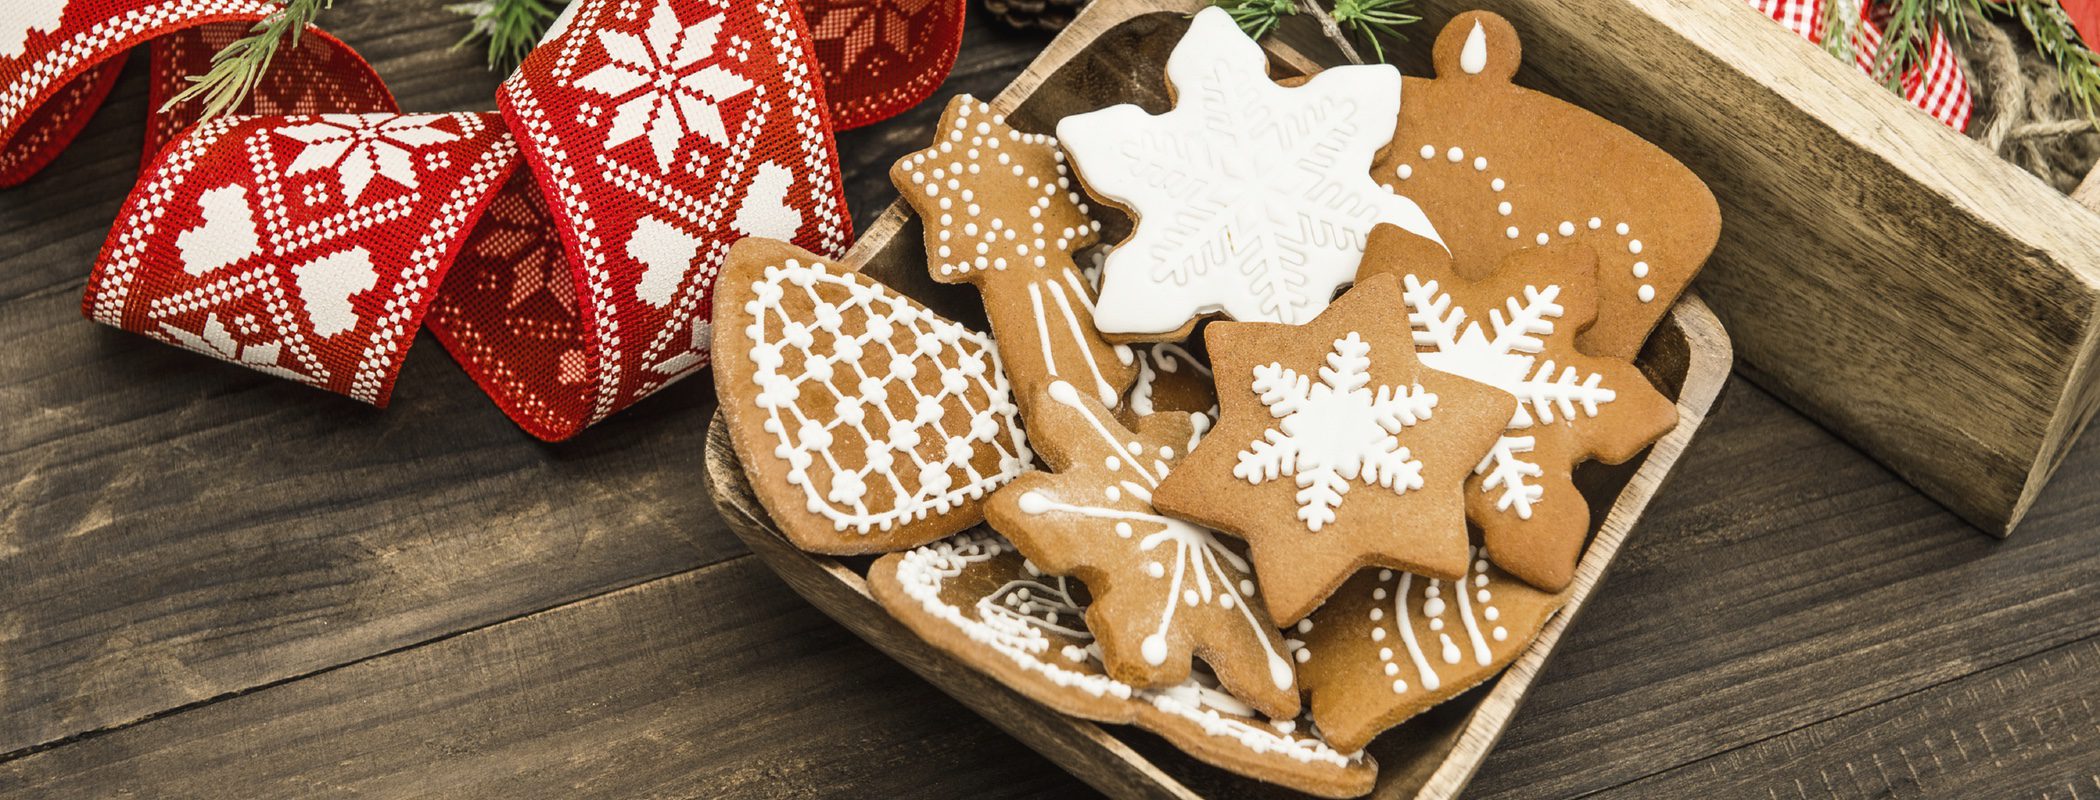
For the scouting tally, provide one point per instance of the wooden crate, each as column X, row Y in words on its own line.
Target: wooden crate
column 1115, row 53
column 1889, row 277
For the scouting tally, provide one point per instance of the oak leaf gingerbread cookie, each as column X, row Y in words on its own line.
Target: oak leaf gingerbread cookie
column 974, row 597
column 1252, row 199
column 1500, row 168
column 1336, row 449
column 1164, row 590
column 1001, row 212
column 867, row 423
column 1390, row 645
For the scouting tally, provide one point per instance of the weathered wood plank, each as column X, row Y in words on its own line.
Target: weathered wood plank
column 713, row 682
column 2030, row 728
column 1783, row 579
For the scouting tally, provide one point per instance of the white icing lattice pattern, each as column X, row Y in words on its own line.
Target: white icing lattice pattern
column 821, row 359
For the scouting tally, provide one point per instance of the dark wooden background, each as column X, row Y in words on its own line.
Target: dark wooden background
column 218, row 584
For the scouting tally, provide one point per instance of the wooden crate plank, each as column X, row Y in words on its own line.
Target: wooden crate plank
column 1954, row 293
column 1782, row 579
column 2030, row 728
column 718, row 681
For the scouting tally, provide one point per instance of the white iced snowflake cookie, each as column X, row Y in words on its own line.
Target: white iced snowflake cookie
column 1252, row 199
column 978, row 600
column 866, row 422
column 1519, row 331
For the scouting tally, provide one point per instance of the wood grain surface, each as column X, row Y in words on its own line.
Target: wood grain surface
column 216, row 584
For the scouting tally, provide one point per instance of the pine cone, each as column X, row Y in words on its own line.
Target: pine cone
column 1046, row 15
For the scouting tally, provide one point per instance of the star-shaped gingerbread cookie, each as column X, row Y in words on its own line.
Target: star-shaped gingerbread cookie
column 1164, row 589
column 1336, row 449
column 1252, row 198
column 1519, row 330
column 1001, row 212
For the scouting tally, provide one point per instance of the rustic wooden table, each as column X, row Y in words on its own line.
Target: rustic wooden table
column 217, row 584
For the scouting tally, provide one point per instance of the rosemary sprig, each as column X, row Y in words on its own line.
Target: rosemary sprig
column 512, row 27
column 1373, row 20
column 238, row 67
column 2075, row 61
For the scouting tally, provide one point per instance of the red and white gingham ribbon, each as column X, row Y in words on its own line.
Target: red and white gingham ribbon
column 1937, row 85
column 564, row 249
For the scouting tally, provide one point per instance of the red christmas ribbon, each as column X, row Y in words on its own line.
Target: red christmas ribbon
column 1937, row 85
column 313, row 236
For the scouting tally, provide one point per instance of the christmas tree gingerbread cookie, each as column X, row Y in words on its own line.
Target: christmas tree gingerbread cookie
column 1336, row 449
column 1390, row 645
column 866, row 422
column 1518, row 330
column 1164, row 589
column 1469, row 150
column 1252, row 199
column 974, row 597
column 1001, row 212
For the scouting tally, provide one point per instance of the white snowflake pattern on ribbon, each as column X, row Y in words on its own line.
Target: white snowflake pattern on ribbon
column 361, row 147
column 1335, row 431
column 1506, row 360
column 664, row 92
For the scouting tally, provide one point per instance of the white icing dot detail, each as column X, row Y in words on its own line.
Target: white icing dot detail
column 1543, row 238
column 1400, row 687
column 1640, row 269
column 1501, row 633
column 1567, row 228
column 1480, row 163
column 1498, row 185
column 1406, row 171
column 1504, row 209
column 1646, row 293
column 1634, row 247
column 1429, row 151
column 1513, row 232
column 1455, row 155
column 1623, row 229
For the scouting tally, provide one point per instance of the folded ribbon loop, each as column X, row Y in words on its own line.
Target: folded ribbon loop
column 564, row 249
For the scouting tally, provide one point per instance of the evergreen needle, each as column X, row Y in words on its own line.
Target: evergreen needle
column 512, row 27
column 238, row 67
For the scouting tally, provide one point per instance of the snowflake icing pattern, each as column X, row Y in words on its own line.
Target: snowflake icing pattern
column 663, row 92
column 1335, row 431
column 1506, row 362
column 1252, row 199
column 363, row 146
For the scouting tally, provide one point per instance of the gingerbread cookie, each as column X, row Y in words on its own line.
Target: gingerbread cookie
column 1470, row 149
column 976, row 599
column 1170, row 378
column 1164, row 590
column 1000, row 212
column 1336, row 449
column 1252, row 199
column 1517, row 331
column 1390, row 645
column 867, row 423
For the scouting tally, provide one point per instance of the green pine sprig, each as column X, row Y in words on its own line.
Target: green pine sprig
column 1909, row 24
column 512, row 27
column 1373, row 20
column 238, row 67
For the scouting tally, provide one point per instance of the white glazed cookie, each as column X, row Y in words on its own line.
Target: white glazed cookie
column 1390, row 645
column 1252, row 199
column 974, row 597
column 867, row 423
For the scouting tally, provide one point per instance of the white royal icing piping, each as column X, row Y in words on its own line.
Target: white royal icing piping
column 1332, row 429
column 801, row 439
column 1252, row 199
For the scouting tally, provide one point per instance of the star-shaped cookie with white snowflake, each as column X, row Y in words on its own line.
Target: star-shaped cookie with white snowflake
column 1252, row 199
column 1164, row 589
column 1336, row 449
column 1517, row 330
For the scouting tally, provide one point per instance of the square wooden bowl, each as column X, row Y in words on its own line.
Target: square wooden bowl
column 1115, row 53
